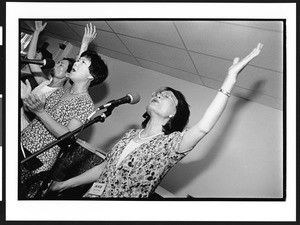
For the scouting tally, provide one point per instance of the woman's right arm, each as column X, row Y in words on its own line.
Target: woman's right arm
column 87, row 177
column 38, row 74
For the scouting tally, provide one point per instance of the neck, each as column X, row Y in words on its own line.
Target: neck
column 56, row 82
column 153, row 127
column 78, row 88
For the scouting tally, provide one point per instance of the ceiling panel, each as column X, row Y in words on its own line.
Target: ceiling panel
column 248, row 77
column 227, row 41
column 64, row 30
column 100, row 25
column 103, row 39
column 257, row 97
column 209, row 66
column 27, row 25
column 253, row 95
column 196, row 51
column 266, row 25
column 117, row 55
column 157, row 31
column 171, row 71
column 165, row 55
column 271, row 83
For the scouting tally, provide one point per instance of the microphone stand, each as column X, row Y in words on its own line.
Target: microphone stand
column 65, row 142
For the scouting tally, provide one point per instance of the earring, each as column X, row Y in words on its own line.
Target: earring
column 170, row 116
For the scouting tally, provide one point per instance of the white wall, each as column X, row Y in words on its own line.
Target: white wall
column 241, row 157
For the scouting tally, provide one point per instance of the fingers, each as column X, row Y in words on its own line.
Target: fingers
column 34, row 103
column 256, row 50
column 239, row 65
column 236, row 60
column 90, row 30
column 28, row 85
column 32, row 100
column 39, row 25
column 259, row 46
column 25, row 89
column 44, row 25
column 22, row 84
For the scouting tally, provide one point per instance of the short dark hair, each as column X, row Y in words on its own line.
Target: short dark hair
column 45, row 53
column 71, row 63
column 98, row 68
column 181, row 118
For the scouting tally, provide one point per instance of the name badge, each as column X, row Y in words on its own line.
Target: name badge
column 97, row 188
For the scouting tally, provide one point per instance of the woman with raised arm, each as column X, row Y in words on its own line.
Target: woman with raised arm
column 139, row 161
column 64, row 110
column 59, row 75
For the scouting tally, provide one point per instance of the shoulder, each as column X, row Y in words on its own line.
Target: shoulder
column 174, row 135
column 130, row 132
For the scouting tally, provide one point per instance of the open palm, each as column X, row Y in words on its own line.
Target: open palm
column 238, row 65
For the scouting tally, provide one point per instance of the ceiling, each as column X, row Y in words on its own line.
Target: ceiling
column 198, row 51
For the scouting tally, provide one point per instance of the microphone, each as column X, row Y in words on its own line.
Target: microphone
column 131, row 98
column 46, row 63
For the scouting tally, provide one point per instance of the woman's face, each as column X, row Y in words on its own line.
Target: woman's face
column 163, row 102
column 60, row 68
column 80, row 70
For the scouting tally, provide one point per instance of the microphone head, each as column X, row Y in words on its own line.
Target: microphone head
column 135, row 97
column 48, row 63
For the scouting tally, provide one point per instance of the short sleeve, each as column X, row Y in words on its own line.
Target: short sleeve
column 186, row 151
column 174, row 141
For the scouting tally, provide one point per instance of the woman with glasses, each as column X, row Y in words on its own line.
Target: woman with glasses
column 139, row 161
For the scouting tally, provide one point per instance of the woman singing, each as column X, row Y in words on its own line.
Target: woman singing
column 139, row 161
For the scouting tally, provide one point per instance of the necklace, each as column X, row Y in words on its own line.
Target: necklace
column 145, row 138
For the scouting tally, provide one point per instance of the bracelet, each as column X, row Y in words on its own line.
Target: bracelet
column 224, row 92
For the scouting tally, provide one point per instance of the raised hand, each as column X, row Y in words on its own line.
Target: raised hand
column 35, row 103
column 25, row 89
column 90, row 34
column 39, row 27
column 238, row 65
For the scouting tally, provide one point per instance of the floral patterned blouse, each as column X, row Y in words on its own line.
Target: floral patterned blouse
column 36, row 136
column 141, row 171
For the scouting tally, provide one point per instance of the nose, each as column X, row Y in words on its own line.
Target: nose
column 159, row 95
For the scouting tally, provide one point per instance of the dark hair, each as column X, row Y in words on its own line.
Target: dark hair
column 98, row 68
column 71, row 62
column 181, row 117
column 45, row 53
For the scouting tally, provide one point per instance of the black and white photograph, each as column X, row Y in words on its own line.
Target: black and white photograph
column 141, row 111
column 180, row 55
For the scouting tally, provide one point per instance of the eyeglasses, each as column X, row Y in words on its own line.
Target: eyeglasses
column 164, row 94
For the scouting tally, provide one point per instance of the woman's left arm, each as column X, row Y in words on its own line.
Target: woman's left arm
column 36, row 105
column 90, row 33
column 216, row 108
